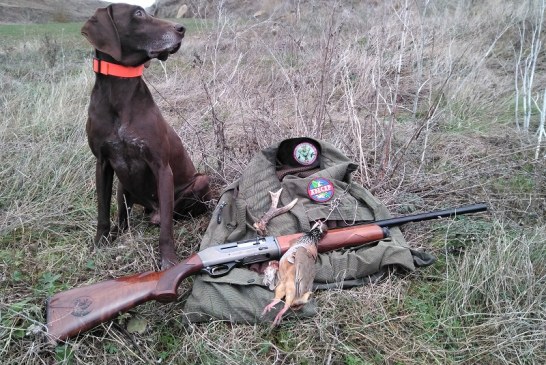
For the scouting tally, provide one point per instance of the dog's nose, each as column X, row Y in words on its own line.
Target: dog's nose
column 180, row 28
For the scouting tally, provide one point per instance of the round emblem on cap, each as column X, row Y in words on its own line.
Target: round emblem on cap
column 320, row 190
column 305, row 153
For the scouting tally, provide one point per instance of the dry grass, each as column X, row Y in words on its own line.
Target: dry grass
column 419, row 94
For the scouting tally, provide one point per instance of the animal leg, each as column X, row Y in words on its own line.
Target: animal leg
column 155, row 218
column 104, row 177
column 300, row 302
column 288, row 300
column 279, row 315
column 270, row 306
column 165, row 192
column 279, row 294
column 191, row 201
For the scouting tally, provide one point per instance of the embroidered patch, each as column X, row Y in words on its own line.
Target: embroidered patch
column 320, row 190
column 305, row 153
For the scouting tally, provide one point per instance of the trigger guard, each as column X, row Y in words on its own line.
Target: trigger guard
column 220, row 270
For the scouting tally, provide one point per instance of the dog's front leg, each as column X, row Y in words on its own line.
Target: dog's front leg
column 165, row 192
column 104, row 176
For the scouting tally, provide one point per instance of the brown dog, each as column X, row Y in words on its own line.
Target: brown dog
column 126, row 131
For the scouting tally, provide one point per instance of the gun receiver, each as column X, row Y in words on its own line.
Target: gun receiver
column 238, row 253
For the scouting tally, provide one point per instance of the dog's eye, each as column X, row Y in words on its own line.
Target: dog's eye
column 139, row 13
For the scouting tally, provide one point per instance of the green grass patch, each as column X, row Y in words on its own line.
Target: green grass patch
column 482, row 302
column 22, row 32
column 64, row 354
column 11, row 33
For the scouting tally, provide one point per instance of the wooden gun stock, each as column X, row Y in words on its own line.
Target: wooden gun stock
column 78, row 310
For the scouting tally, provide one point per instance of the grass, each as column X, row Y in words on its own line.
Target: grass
column 342, row 78
column 28, row 31
column 22, row 32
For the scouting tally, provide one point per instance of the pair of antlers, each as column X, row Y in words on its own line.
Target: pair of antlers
column 261, row 224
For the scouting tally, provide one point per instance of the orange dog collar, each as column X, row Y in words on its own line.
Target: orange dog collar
column 113, row 69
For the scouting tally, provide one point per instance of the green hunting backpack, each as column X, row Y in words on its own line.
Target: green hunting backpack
column 319, row 175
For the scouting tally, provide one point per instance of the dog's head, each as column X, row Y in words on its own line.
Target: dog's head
column 130, row 35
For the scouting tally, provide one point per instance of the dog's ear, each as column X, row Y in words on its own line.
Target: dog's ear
column 101, row 32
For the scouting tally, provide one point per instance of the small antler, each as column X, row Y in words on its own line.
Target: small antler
column 261, row 224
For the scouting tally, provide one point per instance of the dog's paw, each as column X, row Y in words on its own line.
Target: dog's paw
column 105, row 238
column 101, row 239
column 167, row 263
column 155, row 218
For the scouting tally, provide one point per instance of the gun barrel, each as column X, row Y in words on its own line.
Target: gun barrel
column 446, row 213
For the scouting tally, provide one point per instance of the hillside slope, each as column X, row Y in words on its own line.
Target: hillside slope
column 33, row 11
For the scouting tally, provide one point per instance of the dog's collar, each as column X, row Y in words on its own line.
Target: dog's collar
column 114, row 69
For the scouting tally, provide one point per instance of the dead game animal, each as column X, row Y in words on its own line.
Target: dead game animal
column 296, row 272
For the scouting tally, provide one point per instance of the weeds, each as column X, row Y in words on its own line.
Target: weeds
column 50, row 49
column 418, row 94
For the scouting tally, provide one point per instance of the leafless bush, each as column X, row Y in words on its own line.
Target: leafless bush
column 419, row 94
column 533, row 97
column 50, row 50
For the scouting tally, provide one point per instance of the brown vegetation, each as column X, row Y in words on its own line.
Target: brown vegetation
column 420, row 94
column 43, row 11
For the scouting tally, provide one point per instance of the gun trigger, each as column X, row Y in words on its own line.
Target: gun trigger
column 219, row 270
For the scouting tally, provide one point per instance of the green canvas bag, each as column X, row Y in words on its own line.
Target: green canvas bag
column 319, row 175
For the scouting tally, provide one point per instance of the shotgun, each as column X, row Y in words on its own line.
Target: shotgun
column 77, row 310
